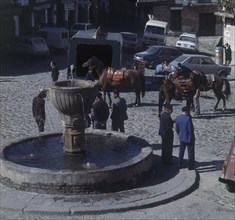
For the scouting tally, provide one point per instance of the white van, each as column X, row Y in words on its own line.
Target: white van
column 57, row 38
column 155, row 33
column 80, row 27
column 29, row 45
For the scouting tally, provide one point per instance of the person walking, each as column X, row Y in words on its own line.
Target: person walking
column 185, row 130
column 54, row 71
column 228, row 54
column 196, row 102
column 38, row 109
column 99, row 112
column 167, row 134
column 119, row 112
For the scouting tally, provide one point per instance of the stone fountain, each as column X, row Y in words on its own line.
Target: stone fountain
column 73, row 99
column 80, row 160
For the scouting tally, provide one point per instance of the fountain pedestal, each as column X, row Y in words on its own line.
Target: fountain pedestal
column 74, row 135
column 73, row 99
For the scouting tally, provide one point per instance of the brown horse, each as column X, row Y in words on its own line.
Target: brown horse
column 132, row 79
column 169, row 90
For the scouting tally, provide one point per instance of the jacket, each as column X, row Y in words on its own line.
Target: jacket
column 184, row 128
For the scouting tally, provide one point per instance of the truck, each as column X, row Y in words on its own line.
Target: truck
column 155, row 32
column 106, row 46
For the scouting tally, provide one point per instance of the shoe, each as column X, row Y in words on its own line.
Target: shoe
column 191, row 168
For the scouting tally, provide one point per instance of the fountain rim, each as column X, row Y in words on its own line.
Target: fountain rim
column 89, row 85
column 128, row 171
column 144, row 150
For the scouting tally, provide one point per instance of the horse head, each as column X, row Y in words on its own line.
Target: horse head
column 90, row 63
column 94, row 63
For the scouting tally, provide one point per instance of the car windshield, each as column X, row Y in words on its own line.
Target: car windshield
column 39, row 42
column 78, row 27
column 180, row 59
column 155, row 30
column 151, row 50
column 185, row 38
column 129, row 37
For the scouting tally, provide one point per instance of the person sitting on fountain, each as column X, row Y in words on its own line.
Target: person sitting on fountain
column 38, row 109
column 99, row 112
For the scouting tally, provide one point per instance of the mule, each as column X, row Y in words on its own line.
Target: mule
column 168, row 90
column 217, row 85
column 131, row 79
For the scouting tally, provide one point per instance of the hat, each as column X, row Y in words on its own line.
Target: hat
column 185, row 109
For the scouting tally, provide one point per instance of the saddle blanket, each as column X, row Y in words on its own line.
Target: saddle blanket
column 115, row 75
column 184, row 85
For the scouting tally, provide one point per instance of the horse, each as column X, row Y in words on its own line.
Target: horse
column 130, row 79
column 170, row 90
column 217, row 84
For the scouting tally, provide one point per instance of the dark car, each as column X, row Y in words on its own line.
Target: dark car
column 157, row 54
column 201, row 63
column 228, row 169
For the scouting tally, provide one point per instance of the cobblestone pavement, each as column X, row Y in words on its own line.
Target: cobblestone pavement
column 214, row 133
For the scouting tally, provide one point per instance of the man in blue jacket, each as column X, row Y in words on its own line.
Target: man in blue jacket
column 185, row 130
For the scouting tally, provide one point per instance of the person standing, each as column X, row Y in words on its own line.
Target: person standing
column 228, row 54
column 99, row 112
column 197, row 102
column 89, row 75
column 167, row 134
column 54, row 71
column 185, row 130
column 119, row 112
column 38, row 109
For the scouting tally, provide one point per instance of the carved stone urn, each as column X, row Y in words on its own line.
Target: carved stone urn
column 73, row 99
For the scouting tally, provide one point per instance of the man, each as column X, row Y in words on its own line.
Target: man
column 38, row 109
column 167, row 134
column 99, row 112
column 185, row 130
column 161, row 68
column 228, row 54
column 185, row 71
column 119, row 114
column 54, row 71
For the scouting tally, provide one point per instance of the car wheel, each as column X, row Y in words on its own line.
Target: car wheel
column 230, row 186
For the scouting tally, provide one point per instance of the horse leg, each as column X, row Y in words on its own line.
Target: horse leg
column 217, row 103
column 137, row 98
column 161, row 100
column 110, row 100
column 224, row 103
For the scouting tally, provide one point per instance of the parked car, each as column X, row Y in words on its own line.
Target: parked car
column 29, row 45
column 57, row 38
column 130, row 40
column 157, row 54
column 188, row 41
column 80, row 27
column 228, row 169
column 201, row 63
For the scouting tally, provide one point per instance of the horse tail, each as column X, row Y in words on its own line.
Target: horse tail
column 142, row 84
column 227, row 91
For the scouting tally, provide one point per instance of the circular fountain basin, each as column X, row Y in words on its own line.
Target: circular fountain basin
column 112, row 162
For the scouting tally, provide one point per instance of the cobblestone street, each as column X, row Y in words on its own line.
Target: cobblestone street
column 214, row 133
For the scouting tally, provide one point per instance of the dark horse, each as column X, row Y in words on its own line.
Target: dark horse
column 131, row 79
column 169, row 89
